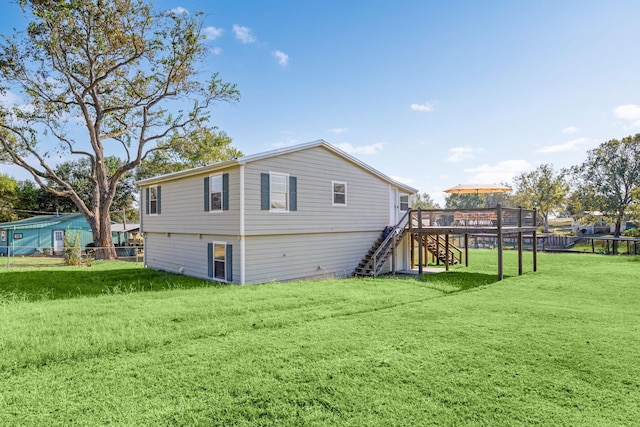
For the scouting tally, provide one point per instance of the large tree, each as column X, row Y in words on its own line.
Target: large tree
column 543, row 189
column 8, row 187
column 610, row 176
column 102, row 78
column 423, row 201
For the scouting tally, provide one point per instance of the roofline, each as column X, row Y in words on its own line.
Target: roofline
column 272, row 153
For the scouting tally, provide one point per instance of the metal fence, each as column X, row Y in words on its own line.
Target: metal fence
column 33, row 257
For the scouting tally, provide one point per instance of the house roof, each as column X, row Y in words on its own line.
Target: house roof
column 273, row 153
column 41, row 221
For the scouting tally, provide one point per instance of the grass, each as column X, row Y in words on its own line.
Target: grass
column 557, row 347
column 103, row 277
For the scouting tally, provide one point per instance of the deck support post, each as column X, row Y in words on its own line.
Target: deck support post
column 466, row 250
column 520, row 242
column 446, row 252
column 535, row 242
column 499, row 238
column 419, row 242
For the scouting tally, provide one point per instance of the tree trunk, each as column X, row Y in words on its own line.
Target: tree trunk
column 101, row 229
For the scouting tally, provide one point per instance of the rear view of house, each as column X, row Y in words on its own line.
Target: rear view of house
column 307, row 211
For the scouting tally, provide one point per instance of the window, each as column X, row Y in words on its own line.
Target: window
column 339, row 193
column 219, row 254
column 279, row 192
column 153, row 200
column 404, row 202
column 216, row 193
column 3, row 235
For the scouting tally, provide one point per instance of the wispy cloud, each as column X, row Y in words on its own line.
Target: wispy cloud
column 338, row 131
column 212, row 33
column 179, row 11
column 573, row 145
column 216, row 50
column 457, row 154
column 630, row 112
column 403, row 179
column 424, row 108
column 9, row 99
column 243, row 34
column 283, row 58
column 363, row 149
column 570, row 130
column 501, row 172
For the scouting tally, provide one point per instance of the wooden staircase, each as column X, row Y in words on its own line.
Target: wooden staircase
column 373, row 262
column 438, row 249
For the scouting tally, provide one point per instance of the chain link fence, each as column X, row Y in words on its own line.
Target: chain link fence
column 31, row 256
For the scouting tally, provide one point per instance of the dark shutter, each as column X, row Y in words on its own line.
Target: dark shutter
column 210, row 259
column 225, row 191
column 146, row 201
column 293, row 193
column 206, row 194
column 229, row 263
column 264, row 192
column 158, row 202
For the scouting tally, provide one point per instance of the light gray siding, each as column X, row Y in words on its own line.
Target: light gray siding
column 305, row 256
column 182, row 202
column 367, row 206
column 187, row 251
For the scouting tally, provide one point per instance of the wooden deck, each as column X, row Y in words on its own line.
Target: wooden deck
column 498, row 222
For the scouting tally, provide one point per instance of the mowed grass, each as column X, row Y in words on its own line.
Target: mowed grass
column 556, row 347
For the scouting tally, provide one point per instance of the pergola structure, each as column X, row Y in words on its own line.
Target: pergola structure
column 432, row 228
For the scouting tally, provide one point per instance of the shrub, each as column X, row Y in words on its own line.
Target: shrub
column 72, row 254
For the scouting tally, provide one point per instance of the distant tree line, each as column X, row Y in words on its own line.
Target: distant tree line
column 607, row 182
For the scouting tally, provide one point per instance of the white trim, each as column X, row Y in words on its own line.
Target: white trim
column 400, row 196
column 151, row 189
column 243, row 259
column 216, row 211
column 213, row 254
column 333, row 193
column 287, row 192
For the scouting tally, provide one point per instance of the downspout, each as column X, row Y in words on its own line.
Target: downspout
column 144, row 236
column 242, row 230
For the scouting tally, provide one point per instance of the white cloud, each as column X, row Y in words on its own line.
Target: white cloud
column 629, row 112
column 424, row 108
column 570, row 130
column 457, row 154
column 502, row 172
column 179, row 11
column 243, row 34
column 573, row 145
column 9, row 99
column 338, row 130
column 216, row 50
column 212, row 33
column 283, row 58
column 363, row 149
column 403, row 179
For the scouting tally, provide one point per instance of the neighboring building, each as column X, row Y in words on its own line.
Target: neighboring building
column 307, row 211
column 42, row 234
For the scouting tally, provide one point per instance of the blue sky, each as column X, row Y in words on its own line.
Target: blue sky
column 432, row 93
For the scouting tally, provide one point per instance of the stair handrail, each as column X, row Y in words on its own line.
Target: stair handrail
column 453, row 249
column 402, row 224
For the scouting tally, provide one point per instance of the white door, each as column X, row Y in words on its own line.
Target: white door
column 58, row 241
column 394, row 209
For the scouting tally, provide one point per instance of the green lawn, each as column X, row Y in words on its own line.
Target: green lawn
column 557, row 347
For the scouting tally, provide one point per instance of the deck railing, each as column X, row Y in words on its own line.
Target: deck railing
column 473, row 218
